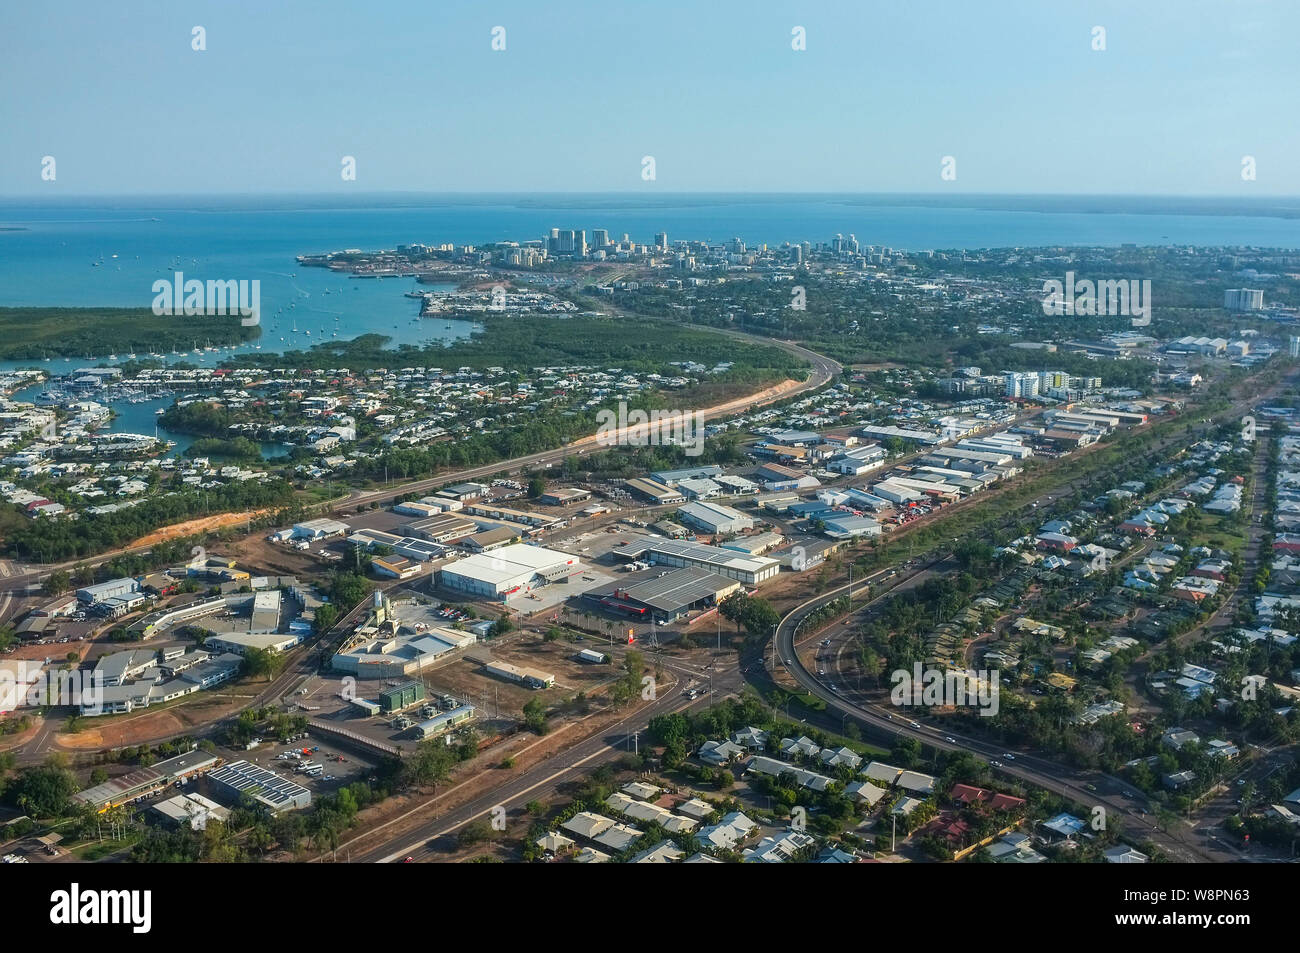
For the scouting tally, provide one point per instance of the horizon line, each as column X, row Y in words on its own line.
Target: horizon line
column 640, row 193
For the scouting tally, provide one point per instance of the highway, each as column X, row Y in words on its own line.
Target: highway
column 429, row 841
column 887, row 724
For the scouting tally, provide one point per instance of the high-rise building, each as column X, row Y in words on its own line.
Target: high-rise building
column 1021, row 385
column 1243, row 299
column 1295, row 346
column 661, row 241
column 599, row 238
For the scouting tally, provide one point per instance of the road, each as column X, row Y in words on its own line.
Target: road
column 15, row 579
column 887, row 725
column 429, row 841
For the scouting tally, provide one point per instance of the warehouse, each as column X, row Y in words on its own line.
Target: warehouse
column 714, row 518
column 848, row 526
column 463, row 491
column 407, row 653
column 408, row 547
column 322, row 528
column 563, row 496
column 423, row 510
column 508, row 570
column 113, row 588
column 665, row 552
column 491, row 537
column 755, row 545
column 523, row 517
column 395, row 567
column 673, row 477
column 655, row 492
column 531, row 677
column 143, row 780
column 233, row 781
column 663, row 596
column 440, row 529
column 776, row 478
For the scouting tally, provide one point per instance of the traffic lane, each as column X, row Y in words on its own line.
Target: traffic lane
column 546, row 777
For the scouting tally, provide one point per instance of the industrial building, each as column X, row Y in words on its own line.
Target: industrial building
column 508, row 570
column 439, row 529
column 143, row 780
column 531, row 677
column 442, row 723
column 563, row 496
column 654, row 491
column 190, row 810
column 713, row 518
column 322, row 528
column 233, row 781
column 395, row 654
column 663, row 596
column 848, row 526
column 395, row 567
column 408, row 547
column 725, row 562
column 90, row 595
column 401, row 696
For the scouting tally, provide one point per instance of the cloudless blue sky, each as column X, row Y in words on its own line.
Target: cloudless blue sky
column 712, row 90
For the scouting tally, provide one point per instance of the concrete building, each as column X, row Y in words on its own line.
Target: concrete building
column 508, row 570
column 750, row 570
column 713, row 518
column 322, row 528
column 663, row 597
column 100, row 592
column 136, row 783
column 231, row 782
column 1243, row 299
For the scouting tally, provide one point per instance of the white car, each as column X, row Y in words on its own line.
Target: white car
column 1009, row 756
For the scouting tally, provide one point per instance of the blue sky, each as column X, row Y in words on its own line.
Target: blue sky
column 584, row 90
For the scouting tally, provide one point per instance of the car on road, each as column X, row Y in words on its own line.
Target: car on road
column 409, row 860
column 915, row 725
column 826, row 642
column 787, row 661
column 1090, row 787
column 996, row 763
column 1009, row 756
column 821, row 673
column 950, row 739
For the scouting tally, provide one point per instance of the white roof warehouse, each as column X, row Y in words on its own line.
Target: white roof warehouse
column 507, row 570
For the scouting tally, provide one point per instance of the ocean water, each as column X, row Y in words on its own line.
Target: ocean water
column 48, row 250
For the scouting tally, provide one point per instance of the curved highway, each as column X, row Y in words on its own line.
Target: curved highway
column 890, row 723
